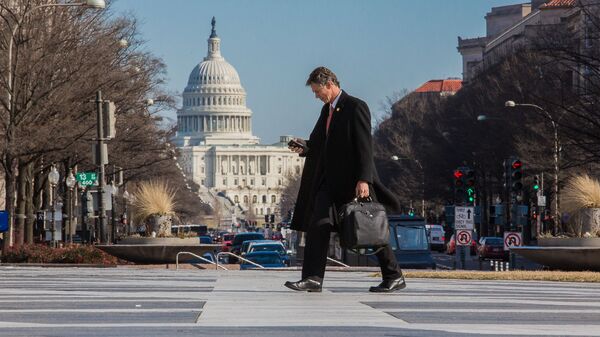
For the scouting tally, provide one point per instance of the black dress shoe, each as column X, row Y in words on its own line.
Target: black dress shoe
column 306, row 284
column 389, row 285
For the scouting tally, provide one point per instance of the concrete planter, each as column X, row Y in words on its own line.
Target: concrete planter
column 161, row 224
column 568, row 242
column 590, row 220
column 160, row 241
column 146, row 250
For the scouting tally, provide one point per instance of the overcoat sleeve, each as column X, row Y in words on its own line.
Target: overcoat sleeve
column 361, row 130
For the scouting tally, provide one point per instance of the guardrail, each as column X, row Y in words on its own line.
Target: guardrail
column 239, row 257
column 217, row 265
column 338, row 262
column 199, row 257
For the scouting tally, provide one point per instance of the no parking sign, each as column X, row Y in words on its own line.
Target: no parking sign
column 512, row 239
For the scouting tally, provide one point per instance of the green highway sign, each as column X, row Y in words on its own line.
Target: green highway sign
column 87, row 178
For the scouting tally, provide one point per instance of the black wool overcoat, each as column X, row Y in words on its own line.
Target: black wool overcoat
column 342, row 158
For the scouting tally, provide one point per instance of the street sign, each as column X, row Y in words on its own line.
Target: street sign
column 512, row 239
column 463, row 237
column 464, row 218
column 87, row 178
column 541, row 200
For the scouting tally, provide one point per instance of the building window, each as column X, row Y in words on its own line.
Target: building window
column 264, row 199
column 264, row 181
column 202, row 182
column 245, row 199
column 279, row 170
column 251, row 182
column 225, row 181
column 273, row 199
column 279, row 182
column 236, row 182
column 255, row 199
column 236, row 199
column 297, row 169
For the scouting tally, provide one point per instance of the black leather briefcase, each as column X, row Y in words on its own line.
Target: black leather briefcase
column 363, row 224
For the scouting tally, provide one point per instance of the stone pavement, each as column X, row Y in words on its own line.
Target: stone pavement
column 158, row 302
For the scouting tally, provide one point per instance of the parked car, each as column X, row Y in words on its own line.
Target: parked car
column 437, row 239
column 451, row 246
column 239, row 239
column 492, row 248
column 226, row 242
column 246, row 244
column 270, row 246
column 205, row 239
column 266, row 259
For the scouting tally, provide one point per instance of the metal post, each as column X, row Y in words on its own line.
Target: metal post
column 84, row 225
column 53, row 221
column 102, row 183
column 114, row 220
column 557, row 221
column 70, row 207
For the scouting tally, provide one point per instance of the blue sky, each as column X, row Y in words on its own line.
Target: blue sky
column 376, row 47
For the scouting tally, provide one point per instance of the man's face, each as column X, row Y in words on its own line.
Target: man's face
column 323, row 92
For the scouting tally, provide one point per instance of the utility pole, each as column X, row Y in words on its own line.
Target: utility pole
column 100, row 161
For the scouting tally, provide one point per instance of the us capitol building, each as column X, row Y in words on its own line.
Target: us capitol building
column 239, row 177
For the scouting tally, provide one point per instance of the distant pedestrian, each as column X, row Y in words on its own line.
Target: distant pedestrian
column 339, row 166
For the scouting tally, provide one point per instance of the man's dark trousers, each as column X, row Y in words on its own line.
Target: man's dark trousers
column 317, row 244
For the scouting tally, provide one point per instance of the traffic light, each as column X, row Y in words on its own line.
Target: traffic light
column 516, row 173
column 411, row 212
column 536, row 182
column 272, row 218
column 470, row 184
column 266, row 217
column 459, row 185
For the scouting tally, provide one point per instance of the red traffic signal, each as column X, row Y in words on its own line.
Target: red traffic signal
column 458, row 174
column 516, row 164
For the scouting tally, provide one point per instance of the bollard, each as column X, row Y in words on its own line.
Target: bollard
column 507, row 266
column 492, row 265
column 496, row 265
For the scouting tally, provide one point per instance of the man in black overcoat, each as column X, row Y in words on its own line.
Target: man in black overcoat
column 339, row 166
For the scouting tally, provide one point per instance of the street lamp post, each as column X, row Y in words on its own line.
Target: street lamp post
column 97, row 4
column 70, row 181
column 53, row 178
column 126, row 197
column 396, row 158
column 512, row 104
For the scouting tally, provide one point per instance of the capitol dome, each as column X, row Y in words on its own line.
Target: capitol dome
column 214, row 102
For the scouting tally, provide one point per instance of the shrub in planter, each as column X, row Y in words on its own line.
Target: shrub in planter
column 45, row 254
column 581, row 200
column 154, row 204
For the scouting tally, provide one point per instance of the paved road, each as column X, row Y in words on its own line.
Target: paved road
column 140, row 302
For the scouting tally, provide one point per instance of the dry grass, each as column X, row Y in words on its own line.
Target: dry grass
column 154, row 198
column 579, row 193
column 517, row 275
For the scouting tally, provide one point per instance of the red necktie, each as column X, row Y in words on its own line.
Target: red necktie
column 329, row 118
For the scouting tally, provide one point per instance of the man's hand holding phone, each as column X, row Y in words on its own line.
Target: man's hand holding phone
column 298, row 145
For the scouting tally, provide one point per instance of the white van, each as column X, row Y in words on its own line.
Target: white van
column 436, row 237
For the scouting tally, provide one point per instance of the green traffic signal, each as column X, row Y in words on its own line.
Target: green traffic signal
column 536, row 187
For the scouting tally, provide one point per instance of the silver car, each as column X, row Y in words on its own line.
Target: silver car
column 436, row 237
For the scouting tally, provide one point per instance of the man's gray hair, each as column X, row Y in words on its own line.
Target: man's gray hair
column 322, row 75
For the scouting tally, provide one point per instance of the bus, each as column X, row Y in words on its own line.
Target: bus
column 190, row 230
